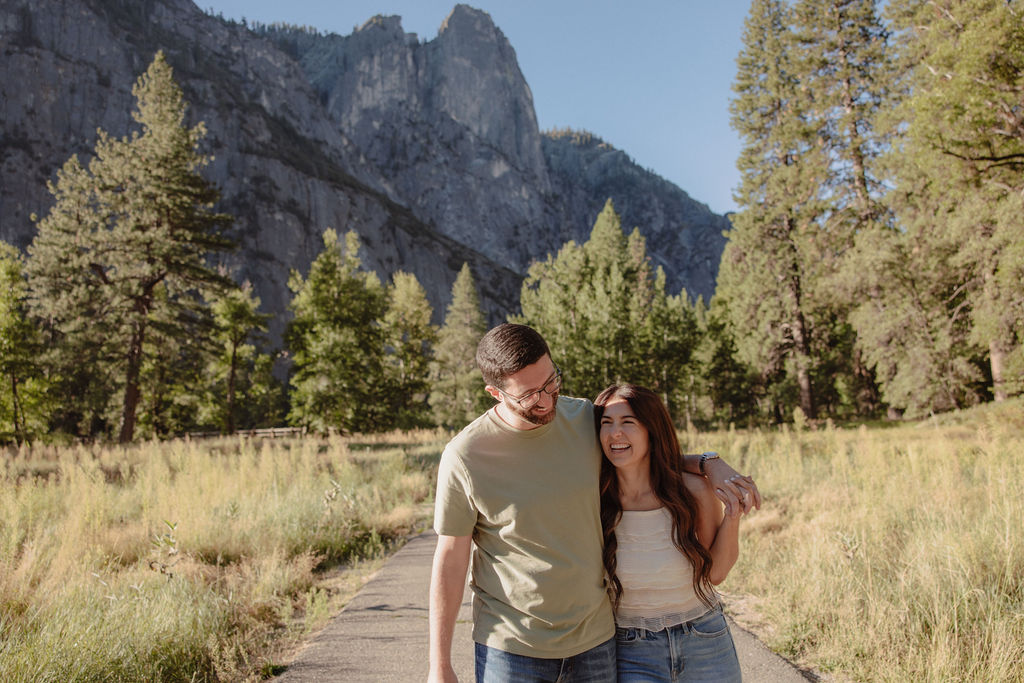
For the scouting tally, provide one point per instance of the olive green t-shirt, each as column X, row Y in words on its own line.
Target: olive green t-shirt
column 530, row 500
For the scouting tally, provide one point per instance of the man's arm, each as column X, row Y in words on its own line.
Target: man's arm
column 447, row 584
column 731, row 487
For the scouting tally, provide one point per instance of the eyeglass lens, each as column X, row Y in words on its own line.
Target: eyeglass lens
column 550, row 388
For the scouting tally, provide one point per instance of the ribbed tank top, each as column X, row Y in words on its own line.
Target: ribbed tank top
column 657, row 579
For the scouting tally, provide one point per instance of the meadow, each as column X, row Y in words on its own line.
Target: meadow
column 194, row 560
column 888, row 554
column 882, row 553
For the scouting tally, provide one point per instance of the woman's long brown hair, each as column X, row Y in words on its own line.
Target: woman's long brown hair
column 666, row 462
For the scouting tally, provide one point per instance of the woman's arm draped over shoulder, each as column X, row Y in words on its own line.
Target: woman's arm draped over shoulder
column 732, row 488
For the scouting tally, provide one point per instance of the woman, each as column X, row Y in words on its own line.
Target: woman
column 667, row 542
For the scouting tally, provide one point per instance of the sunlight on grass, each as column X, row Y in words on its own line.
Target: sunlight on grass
column 889, row 555
column 880, row 554
column 192, row 560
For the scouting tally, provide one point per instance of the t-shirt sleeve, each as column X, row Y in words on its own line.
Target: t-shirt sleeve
column 454, row 512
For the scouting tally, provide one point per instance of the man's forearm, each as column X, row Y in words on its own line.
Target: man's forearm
column 447, row 584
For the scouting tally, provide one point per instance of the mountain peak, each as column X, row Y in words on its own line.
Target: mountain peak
column 466, row 18
column 389, row 25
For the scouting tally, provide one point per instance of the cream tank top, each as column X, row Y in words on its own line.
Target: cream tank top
column 657, row 579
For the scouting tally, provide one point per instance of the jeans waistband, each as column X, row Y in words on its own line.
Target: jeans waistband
column 655, row 624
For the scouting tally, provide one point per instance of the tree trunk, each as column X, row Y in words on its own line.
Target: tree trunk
column 867, row 397
column 997, row 359
column 229, row 422
column 802, row 351
column 132, row 393
column 803, row 380
column 19, row 413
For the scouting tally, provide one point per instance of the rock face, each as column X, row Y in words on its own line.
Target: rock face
column 429, row 150
column 683, row 236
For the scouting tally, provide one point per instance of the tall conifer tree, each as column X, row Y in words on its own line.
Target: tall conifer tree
column 336, row 341
column 22, row 396
column 176, row 348
column 843, row 60
column 771, row 263
column 457, row 393
column 409, row 339
column 138, row 221
column 235, row 362
column 960, row 170
column 607, row 316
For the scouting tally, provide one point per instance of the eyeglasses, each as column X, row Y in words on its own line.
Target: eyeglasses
column 550, row 388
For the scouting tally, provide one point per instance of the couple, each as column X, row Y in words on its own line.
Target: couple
column 555, row 529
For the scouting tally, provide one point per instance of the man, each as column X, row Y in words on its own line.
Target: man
column 519, row 488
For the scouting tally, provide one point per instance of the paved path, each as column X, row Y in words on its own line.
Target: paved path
column 381, row 635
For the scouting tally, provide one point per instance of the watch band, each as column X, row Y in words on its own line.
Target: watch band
column 704, row 457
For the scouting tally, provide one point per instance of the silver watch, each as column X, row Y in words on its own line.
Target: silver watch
column 704, row 457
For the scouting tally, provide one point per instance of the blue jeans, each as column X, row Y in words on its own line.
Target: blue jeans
column 596, row 665
column 699, row 650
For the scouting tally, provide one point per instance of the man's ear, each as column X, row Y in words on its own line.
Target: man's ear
column 493, row 391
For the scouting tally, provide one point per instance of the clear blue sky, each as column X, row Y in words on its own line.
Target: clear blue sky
column 651, row 77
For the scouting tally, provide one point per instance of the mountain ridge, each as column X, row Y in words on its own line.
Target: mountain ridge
column 430, row 150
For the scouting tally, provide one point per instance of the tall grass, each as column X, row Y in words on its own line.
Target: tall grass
column 189, row 561
column 881, row 554
column 889, row 554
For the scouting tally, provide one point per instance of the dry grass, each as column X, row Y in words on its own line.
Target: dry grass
column 882, row 554
column 888, row 554
column 193, row 560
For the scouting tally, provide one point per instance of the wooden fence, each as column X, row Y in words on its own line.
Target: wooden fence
column 268, row 433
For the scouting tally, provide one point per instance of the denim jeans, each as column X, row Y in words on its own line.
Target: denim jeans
column 699, row 650
column 596, row 665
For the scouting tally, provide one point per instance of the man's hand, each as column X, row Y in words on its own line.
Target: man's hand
column 445, row 676
column 737, row 491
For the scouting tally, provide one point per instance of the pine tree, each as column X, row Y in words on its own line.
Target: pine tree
column 409, row 338
column 843, row 60
column 232, row 369
column 23, row 398
column 724, row 380
column 138, row 221
column 914, row 331
column 607, row 316
column 578, row 301
column 80, row 334
column 336, row 342
column 457, row 393
column 962, row 162
column 176, row 350
column 772, row 262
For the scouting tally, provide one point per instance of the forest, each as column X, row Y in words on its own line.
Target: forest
column 874, row 268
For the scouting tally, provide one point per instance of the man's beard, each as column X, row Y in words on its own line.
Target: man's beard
column 527, row 414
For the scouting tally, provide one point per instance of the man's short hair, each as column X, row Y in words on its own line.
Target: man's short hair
column 507, row 349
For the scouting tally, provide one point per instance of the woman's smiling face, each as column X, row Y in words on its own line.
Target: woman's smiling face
column 624, row 439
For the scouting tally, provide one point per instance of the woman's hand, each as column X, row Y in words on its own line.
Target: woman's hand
column 737, row 491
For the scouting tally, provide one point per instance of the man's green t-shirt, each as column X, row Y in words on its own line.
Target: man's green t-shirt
column 530, row 500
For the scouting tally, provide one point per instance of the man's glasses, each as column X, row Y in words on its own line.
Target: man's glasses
column 550, row 388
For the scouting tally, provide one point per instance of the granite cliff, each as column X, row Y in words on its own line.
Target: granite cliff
column 429, row 150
